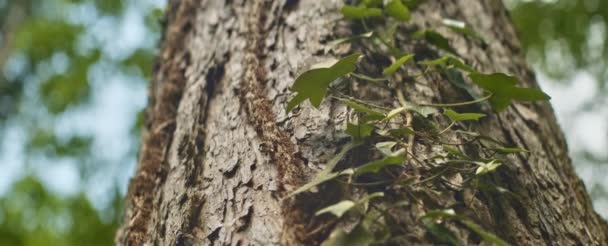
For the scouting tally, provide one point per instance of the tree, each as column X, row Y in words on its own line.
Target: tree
column 221, row 156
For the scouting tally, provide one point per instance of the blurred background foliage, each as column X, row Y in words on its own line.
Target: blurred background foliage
column 73, row 79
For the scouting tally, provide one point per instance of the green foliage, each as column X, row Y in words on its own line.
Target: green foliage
column 350, row 39
column 449, row 61
column 71, row 88
column 360, row 12
column 313, row 84
column 370, row 112
column 395, row 159
column 39, row 39
column 56, row 49
column 487, row 167
column 541, row 23
column 489, row 237
column 504, row 91
column 31, row 215
column 455, row 116
column 48, row 141
column 337, row 209
column 359, row 131
column 397, row 10
column 393, row 67
column 390, row 138
column 463, row 28
column 142, row 60
column 344, row 206
column 436, row 39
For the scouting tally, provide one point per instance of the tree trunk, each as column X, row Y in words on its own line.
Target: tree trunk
column 220, row 151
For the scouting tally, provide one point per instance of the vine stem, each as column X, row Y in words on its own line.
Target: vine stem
column 345, row 97
column 457, row 104
column 408, row 122
column 447, row 128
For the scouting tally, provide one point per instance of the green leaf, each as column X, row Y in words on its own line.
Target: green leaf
column 402, row 132
column 372, row 3
column 503, row 90
column 450, row 214
column 360, row 131
column 425, row 111
column 374, row 167
column 369, row 197
column 487, row 167
column 485, row 235
column 393, row 113
column 463, row 28
column 435, row 38
column 442, row 233
column 397, row 10
column 327, row 173
column 455, row 77
column 319, row 180
column 329, row 167
column 508, row 150
column 375, row 114
column 348, row 39
column 455, row 116
column 386, row 148
column 313, row 83
column 393, row 68
column 337, row 209
column 449, row 61
column 342, row 207
column 360, row 12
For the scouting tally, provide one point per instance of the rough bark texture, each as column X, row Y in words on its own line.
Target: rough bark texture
column 220, row 151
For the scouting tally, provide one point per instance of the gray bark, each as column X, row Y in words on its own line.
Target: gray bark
column 220, row 151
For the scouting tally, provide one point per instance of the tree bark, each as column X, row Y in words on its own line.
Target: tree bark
column 220, row 152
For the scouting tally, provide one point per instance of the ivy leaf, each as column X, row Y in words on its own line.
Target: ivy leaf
column 449, row 61
column 319, row 179
column 463, row 28
column 425, row 111
column 359, row 12
column 386, row 148
column 397, row 10
column 503, row 90
column 393, row 68
column 450, row 214
column 371, row 113
column 393, row 113
column 441, row 232
column 313, row 83
column 455, row 77
column 485, row 235
column 360, row 131
column 508, row 150
column 487, row 167
column 455, row 116
column 372, row 3
column 344, row 206
column 374, row 167
column 435, row 38
column 337, row 209
column 327, row 173
column 402, row 132
column 348, row 39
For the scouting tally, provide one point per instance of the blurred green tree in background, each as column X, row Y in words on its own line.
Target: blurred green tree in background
column 73, row 84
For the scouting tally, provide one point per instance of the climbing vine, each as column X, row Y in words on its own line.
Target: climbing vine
column 391, row 131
